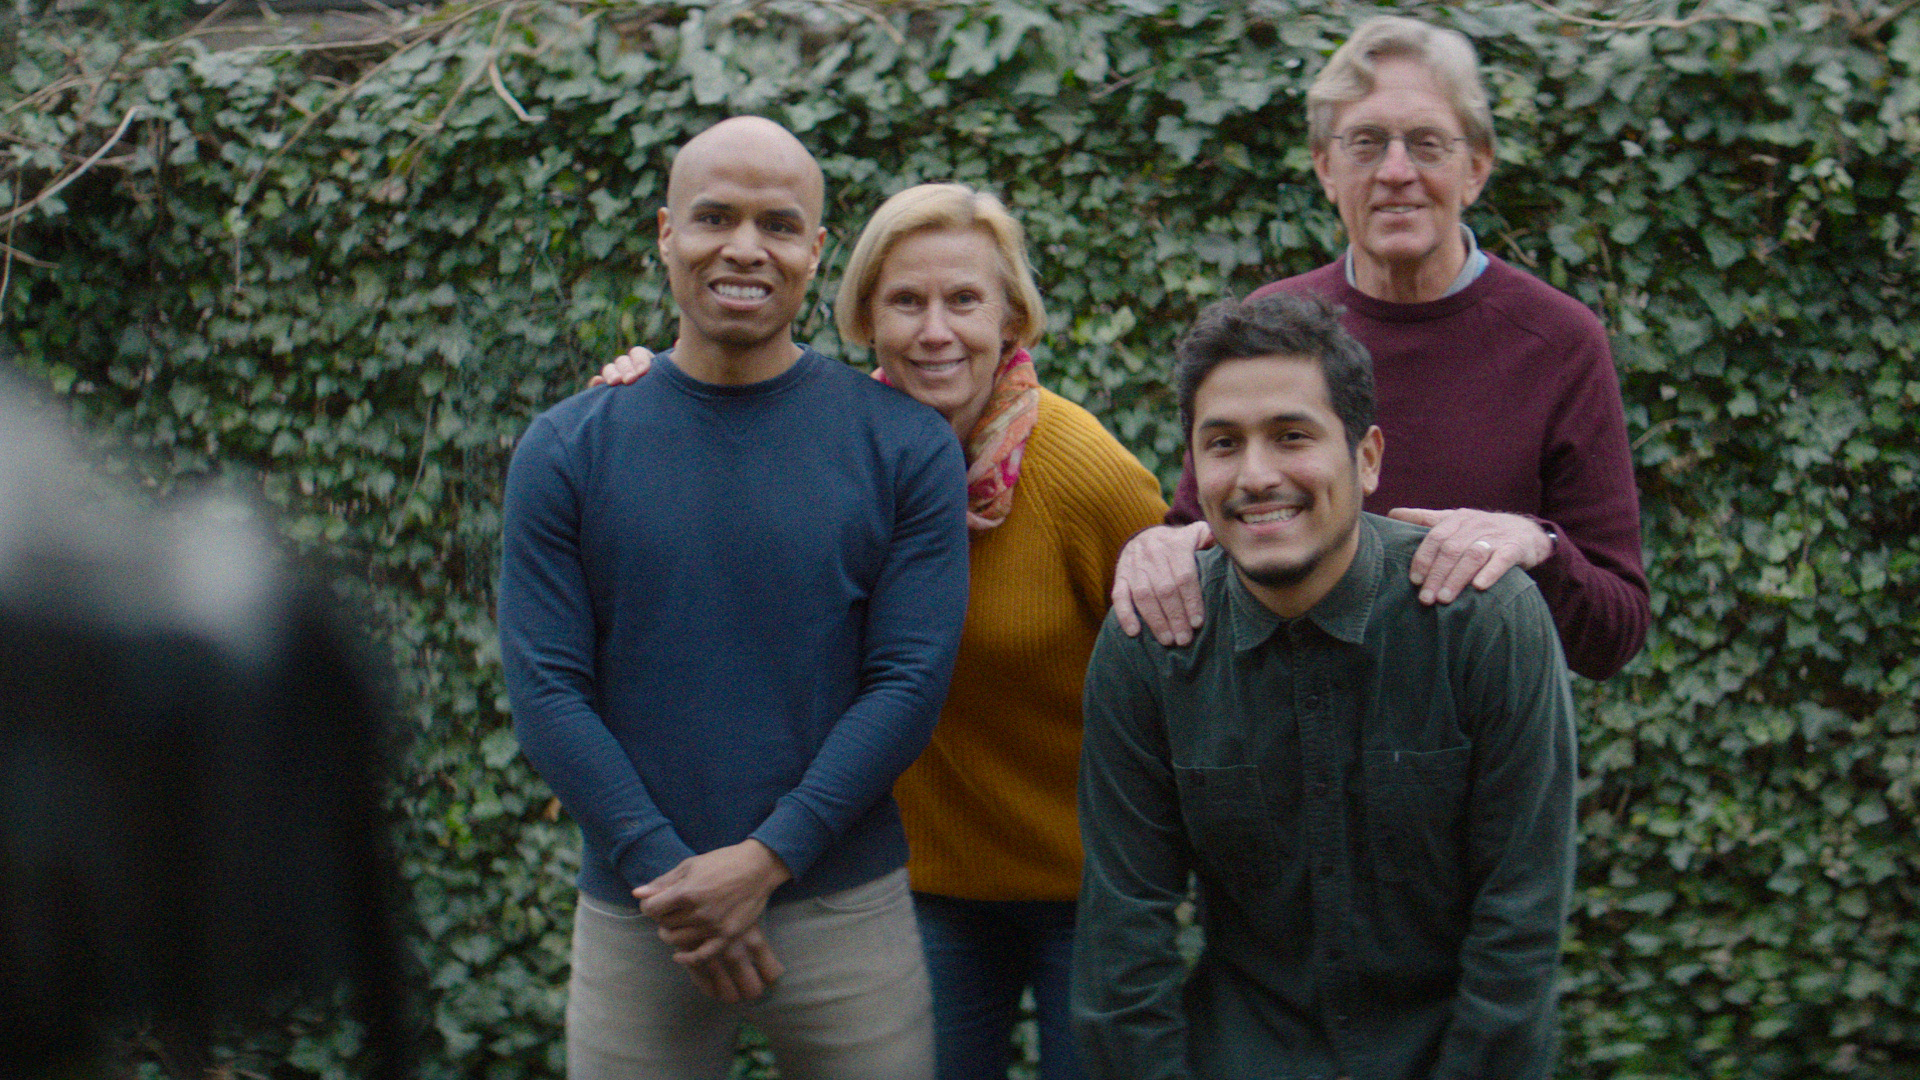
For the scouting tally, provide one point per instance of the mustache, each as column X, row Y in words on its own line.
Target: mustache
column 1240, row 502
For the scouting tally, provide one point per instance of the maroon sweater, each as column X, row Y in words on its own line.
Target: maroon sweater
column 1503, row 397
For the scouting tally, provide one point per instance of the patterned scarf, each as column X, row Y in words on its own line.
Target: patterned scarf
column 998, row 440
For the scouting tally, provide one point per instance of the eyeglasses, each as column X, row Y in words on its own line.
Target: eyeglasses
column 1428, row 148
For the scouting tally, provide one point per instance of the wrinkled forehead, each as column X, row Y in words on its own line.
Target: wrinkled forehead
column 1406, row 94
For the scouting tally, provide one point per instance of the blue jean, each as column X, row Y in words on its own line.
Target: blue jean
column 980, row 955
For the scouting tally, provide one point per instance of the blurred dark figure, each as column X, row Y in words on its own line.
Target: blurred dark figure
column 190, row 767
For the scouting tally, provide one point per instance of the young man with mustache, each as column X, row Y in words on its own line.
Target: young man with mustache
column 1376, row 794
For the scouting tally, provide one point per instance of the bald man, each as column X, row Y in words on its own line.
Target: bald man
column 730, row 598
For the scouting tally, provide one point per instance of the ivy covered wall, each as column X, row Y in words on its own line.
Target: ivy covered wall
column 345, row 279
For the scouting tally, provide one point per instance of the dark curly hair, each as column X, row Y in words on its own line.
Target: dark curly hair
column 1279, row 324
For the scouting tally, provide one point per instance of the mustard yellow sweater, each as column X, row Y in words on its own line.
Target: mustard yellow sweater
column 989, row 808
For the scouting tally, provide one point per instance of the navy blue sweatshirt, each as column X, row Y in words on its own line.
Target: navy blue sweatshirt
column 731, row 612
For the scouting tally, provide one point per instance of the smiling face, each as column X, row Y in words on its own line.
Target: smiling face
column 741, row 239
column 940, row 320
column 1403, row 221
column 1277, row 482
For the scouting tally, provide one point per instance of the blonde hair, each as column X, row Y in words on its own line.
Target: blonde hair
column 1447, row 54
column 926, row 208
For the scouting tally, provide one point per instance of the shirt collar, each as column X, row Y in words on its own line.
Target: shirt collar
column 1341, row 614
column 1470, row 271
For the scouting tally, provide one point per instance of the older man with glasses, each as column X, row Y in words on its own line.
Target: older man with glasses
column 1497, row 392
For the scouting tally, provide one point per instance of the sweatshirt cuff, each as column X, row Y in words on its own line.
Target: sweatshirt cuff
column 649, row 855
column 795, row 834
column 1554, row 569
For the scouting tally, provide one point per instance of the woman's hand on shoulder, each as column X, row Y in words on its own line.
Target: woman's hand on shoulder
column 1158, row 583
column 625, row 368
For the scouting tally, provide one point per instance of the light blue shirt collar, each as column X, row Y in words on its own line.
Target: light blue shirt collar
column 1470, row 271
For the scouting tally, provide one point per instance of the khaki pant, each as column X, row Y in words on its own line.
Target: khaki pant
column 853, row 1004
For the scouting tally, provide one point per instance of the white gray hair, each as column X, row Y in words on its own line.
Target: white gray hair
column 1349, row 75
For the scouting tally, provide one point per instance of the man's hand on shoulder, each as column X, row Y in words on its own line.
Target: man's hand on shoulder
column 1470, row 547
column 625, row 368
column 709, row 900
column 1157, row 582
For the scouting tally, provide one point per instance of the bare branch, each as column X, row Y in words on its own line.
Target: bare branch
column 318, row 46
column 1694, row 19
column 14, row 254
column 500, row 88
column 430, row 29
column 60, row 185
column 70, row 155
column 1864, row 32
column 877, row 17
column 51, row 90
column 1119, row 84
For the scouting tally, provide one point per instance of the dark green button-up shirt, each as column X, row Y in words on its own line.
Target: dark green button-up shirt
column 1377, row 799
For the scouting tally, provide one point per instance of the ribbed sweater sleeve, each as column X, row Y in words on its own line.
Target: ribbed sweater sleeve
column 547, row 646
column 909, row 654
column 1594, row 582
column 989, row 808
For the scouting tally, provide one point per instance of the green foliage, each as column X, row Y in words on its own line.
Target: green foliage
column 349, row 283
column 121, row 18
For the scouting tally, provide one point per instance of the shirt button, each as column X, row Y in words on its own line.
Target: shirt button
column 1319, row 788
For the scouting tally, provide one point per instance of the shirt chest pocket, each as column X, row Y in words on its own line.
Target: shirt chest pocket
column 1416, row 805
column 1231, row 824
